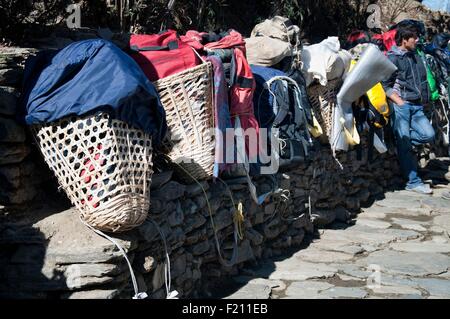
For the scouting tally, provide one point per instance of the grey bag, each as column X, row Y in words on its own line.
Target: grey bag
column 278, row 28
column 266, row 51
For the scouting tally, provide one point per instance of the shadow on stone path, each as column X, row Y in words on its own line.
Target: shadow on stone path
column 397, row 248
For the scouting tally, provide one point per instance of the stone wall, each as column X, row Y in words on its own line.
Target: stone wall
column 46, row 252
column 77, row 263
column 56, row 256
column 21, row 170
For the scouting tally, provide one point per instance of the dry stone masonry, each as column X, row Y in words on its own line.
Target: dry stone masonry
column 20, row 173
column 77, row 263
column 397, row 248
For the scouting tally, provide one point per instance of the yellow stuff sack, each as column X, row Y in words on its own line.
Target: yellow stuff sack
column 378, row 103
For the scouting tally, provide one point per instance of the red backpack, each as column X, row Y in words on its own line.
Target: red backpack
column 357, row 37
column 242, row 86
column 387, row 39
column 161, row 55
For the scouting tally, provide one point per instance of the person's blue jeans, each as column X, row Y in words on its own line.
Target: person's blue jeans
column 411, row 127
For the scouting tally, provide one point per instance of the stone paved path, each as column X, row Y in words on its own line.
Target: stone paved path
column 397, row 248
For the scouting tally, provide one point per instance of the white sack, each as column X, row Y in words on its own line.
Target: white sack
column 325, row 61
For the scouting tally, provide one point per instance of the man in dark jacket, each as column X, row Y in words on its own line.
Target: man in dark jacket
column 409, row 91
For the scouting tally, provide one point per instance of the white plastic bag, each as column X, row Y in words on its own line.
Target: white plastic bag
column 341, row 65
column 325, row 61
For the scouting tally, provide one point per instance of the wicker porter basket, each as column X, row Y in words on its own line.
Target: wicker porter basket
column 323, row 101
column 187, row 98
column 103, row 165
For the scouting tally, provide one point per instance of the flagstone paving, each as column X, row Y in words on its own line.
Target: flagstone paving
column 397, row 248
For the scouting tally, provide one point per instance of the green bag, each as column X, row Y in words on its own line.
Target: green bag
column 432, row 83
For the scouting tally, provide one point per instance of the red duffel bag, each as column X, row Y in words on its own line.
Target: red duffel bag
column 161, row 55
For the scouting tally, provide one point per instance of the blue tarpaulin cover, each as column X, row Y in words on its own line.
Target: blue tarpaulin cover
column 90, row 76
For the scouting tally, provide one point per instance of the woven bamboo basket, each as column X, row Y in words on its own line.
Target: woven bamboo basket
column 103, row 165
column 323, row 101
column 187, row 98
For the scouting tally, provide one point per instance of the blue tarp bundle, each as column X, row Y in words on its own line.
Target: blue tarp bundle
column 90, row 76
column 439, row 48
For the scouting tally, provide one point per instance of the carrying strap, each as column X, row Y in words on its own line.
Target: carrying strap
column 446, row 127
column 371, row 141
column 238, row 216
column 167, row 271
column 361, row 119
column 244, row 83
column 300, row 113
column 238, row 219
column 281, row 99
column 242, row 158
column 137, row 294
column 233, row 69
column 172, row 45
column 374, row 141
column 282, row 103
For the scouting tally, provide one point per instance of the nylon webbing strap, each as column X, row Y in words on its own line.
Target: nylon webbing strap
column 288, row 24
column 242, row 157
column 172, row 45
column 280, row 100
column 245, row 83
